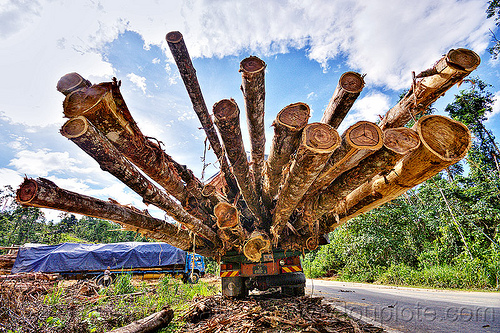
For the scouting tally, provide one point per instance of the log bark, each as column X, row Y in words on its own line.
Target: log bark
column 227, row 114
column 188, row 73
column 443, row 142
column 347, row 91
column 287, row 131
column 105, row 107
column 71, row 82
column 150, row 324
column 358, row 140
column 433, row 83
column 379, row 163
column 317, row 145
column 256, row 244
column 86, row 136
column 44, row 193
column 253, row 87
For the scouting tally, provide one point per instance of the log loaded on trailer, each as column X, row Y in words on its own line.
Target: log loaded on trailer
column 256, row 217
column 106, row 261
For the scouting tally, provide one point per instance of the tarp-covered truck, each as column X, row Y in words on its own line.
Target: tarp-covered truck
column 77, row 260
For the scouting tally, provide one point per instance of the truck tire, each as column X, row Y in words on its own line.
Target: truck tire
column 234, row 287
column 104, row 280
column 194, row 278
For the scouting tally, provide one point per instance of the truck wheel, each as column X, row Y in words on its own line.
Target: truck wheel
column 104, row 280
column 299, row 291
column 194, row 278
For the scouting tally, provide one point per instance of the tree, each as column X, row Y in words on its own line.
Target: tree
column 494, row 11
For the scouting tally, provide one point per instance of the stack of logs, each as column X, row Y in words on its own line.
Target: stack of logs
column 7, row 262
column 312, row 181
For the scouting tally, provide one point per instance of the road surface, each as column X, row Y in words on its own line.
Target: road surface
column 401, row 309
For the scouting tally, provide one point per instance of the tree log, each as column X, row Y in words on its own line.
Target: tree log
column 256, row 244
column 347, row 91
column 287, row 130
column 228, row 221
column 150, row 324
column 357, row 140
column 443, row 142
column 380, row 162
column 44, row 193
column 188, row 73
column 227, row 116
column 86, row 136
column 450, row 69
column 253, row 87
column 316, row 146
column 71, row 82
column 105, row 107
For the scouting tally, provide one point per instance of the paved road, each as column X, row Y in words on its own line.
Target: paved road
column 403, row 309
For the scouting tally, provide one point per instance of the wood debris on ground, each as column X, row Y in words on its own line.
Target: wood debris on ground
column 264, row 314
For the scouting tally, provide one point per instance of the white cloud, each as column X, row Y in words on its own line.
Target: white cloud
column 496, row 106
column 139, row 81
column 367, row 108
column 42, row 162
column 10, row 177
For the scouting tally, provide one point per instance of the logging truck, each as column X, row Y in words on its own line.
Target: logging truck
column 257, row 216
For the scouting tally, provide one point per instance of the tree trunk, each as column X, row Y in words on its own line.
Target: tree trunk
column 316, row 146
column 105, row 107
column 358, row 140
column 188, row 73
column 150, row 324
column 228, row 221
column 380, row 162
column 71, row 82
column 287, row 130
column 256, row 244
column 253, row 88
column 443, row 142
column 348, row 89
column 45, row 194
column 85, row 135
column 227, row 114
column 450, row 69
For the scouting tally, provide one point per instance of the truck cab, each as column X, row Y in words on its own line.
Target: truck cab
column 195, row 264
column 275, row 269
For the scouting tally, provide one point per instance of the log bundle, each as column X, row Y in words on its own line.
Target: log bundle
column 312, row 181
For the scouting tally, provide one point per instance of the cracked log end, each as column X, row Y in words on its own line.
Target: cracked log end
column 257, row 243
column 464, row 59
column 294, row 116
column 174, row 37
column 321, row 138
column 80, row 101
column 227, row 215
column 71, row 82
column 401, row 140
column 444, row 137
column 252, row 65
column 352, row 82
column 364, row 135
column 226, row 109
column 27, row 191
column 75, row 127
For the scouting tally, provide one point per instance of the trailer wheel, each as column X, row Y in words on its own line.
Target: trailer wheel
column 193, row 278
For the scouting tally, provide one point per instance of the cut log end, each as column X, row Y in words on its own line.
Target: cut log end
column 352, row 82
column 320, row 137
column 257, row 243
column 75, row 127
column 174, row 37
column 437, row 132
column 79, row 101
column 463, row 59
column 71, row 82
column 401, row 140
column 227, row 215
column 27, row 191
column 208, row 190
column 312, row 243
column 225, row 108
column 365, row 135
column 294, row 116
column 252, row 65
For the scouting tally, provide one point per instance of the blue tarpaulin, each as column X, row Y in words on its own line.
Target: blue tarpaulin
column 77, row 257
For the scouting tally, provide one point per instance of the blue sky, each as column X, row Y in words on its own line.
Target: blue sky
column 306, row 45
